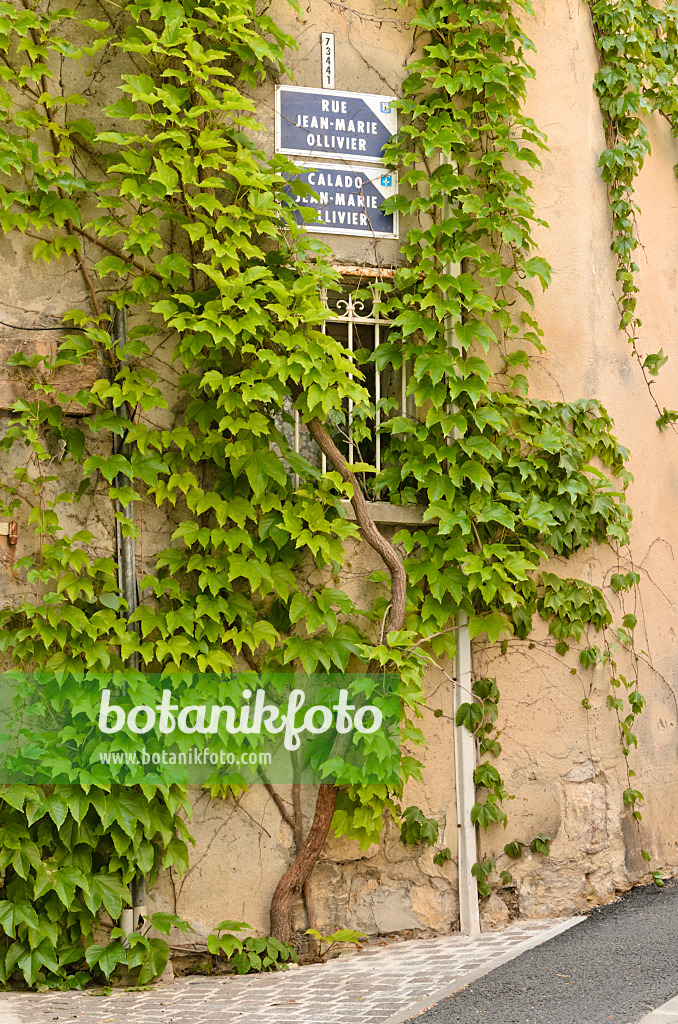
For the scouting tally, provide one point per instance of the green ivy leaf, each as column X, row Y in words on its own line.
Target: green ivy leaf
column 106, row 957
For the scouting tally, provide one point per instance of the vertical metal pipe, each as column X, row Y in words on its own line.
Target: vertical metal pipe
column 126, row 922
column 464, row 763
column 297, row 441
column 139, row 909
column 127, row 582
column 126, row 550
column 377, row 398
column 323, row 328
column 464, row 742
column 350, row 401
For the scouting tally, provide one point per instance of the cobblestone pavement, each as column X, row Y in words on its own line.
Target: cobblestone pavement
column 377, row 985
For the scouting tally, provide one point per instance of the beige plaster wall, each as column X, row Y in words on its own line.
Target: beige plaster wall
column 563, row 763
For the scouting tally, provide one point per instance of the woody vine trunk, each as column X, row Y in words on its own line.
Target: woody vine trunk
column 297, row 876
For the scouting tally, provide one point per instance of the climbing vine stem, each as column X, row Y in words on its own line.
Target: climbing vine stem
column 638, row 49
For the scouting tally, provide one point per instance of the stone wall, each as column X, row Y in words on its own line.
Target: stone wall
column 241, row 853
column 561, row 762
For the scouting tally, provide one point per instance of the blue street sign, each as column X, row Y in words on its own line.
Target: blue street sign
column 330, row 123
column 348, row 200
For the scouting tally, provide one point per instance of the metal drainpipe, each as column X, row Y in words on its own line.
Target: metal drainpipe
column 464, row 744
column 132, row 917
column 465, row 764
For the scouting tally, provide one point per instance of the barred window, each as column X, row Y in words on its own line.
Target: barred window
column 356, row 321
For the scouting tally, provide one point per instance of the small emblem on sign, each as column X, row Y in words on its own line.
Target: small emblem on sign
column 385, row 107
column 386, row 180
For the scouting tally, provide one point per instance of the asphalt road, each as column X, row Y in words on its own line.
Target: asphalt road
column 613, row 968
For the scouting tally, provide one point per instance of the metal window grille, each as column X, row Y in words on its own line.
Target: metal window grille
column 359, row 325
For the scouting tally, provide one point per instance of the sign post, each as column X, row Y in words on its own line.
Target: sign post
column 327, row 60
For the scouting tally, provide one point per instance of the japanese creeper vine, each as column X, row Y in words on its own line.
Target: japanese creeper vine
column 144, row 173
